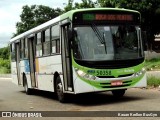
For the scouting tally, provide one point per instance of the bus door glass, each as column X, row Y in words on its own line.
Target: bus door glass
column 66, row 59
column 17, row 45
column 31, row 47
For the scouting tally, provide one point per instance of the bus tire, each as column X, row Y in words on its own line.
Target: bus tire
column 59, row 91
column 118, row 93
column 27, row 90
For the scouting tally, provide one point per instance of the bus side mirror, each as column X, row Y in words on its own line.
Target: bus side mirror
column 70, row 34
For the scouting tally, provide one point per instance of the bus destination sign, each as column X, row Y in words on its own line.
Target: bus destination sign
column 109, row 17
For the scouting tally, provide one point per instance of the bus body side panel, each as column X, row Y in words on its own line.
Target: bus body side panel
column 45, row 69
column 14, row 73
column 26, row 70
column 28, row 79
column 142, row 82
column 80, row 86
column 22, row 68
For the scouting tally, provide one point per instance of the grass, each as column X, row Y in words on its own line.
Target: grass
column 153, row 81
column 4, row 70
column 4, row 66
column 152, row 64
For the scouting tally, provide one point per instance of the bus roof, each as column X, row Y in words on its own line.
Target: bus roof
column 111, row 9
column 62, row 17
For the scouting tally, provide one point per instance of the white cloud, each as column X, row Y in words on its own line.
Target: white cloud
column 10, row 11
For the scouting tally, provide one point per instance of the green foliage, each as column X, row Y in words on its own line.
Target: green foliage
column 153, row 81
column 69, row 6
column 5, row 60
column 35, row 15
column 107, row 3
column 4, row 53
column 84, row 4
column 152, row 64
column 5, row 66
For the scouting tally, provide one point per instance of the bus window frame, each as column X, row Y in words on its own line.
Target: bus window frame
column 25, row 48
column 22, row 49
column 13, row 51
column 56, row 40
column 44, row 42
column 38, row 44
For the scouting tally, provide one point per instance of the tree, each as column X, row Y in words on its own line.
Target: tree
column 35, row 15
column 106, row 3
column 84, row 4
column 69, row 6
column 149, row 9
column 4, row 53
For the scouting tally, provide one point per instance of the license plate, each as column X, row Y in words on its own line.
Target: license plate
column 116, row 83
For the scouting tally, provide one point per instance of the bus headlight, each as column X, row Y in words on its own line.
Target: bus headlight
column 139, row 73
column 85, row 75
column 80, row 73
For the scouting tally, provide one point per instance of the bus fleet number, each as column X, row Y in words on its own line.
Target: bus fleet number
column 103, row 72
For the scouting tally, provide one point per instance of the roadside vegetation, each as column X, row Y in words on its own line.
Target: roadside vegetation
column 4, row 61
column 153, row 82
column 153, row 65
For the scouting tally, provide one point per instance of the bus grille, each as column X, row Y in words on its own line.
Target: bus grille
column 126, row 75
column 108, row 85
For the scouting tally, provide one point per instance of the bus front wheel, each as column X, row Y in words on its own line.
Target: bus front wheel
column 59, row 91
column 118, row 93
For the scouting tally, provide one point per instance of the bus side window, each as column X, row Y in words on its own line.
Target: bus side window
column 25, row 48
column 22, row 48
column 12, row 51
column 39, row 45
column 46, row 42
column 55, row 39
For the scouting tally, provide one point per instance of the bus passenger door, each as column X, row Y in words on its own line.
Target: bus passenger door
column 17, row 46
column 66, row 59
column 31, row 50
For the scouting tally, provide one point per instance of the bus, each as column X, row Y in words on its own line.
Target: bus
column 81, row 51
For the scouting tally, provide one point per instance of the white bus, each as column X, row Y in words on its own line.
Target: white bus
column 81, row 51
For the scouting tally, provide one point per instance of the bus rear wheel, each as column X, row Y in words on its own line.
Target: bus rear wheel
column 59, row 91
column 118, row 93
column 25, row 84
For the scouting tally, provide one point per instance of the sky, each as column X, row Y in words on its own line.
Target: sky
column 10, row 11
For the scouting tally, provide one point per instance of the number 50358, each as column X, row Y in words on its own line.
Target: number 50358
column 103, row 72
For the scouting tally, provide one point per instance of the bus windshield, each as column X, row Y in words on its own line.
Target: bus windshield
column 99, row 43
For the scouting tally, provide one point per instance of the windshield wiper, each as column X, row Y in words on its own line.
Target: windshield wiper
column 99, row 35
column 104, row 43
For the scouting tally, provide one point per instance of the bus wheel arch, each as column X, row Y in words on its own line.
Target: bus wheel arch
column 25, row 85
column 58, row 88
column 56, row 75
column 23, row 75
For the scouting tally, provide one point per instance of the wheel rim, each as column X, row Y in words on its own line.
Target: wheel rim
column 60, row 91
